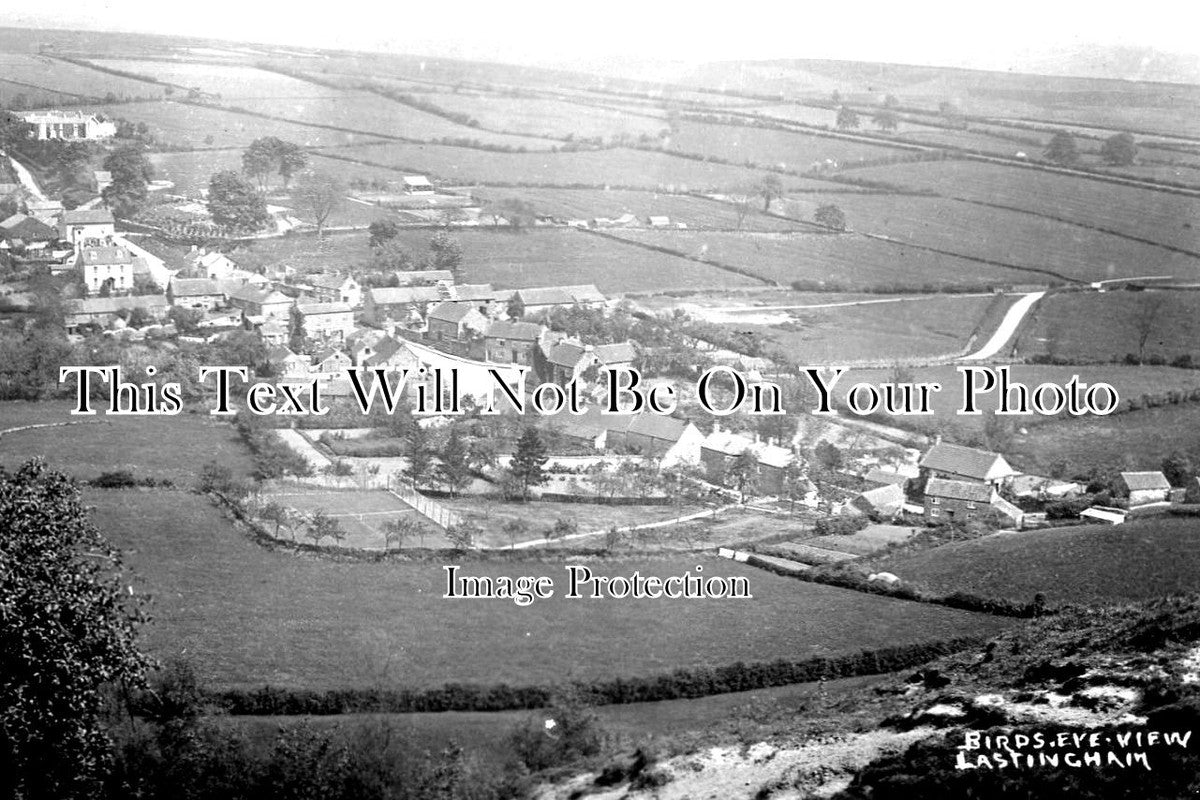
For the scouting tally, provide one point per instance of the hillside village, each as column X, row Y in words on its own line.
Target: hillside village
column 330, row 221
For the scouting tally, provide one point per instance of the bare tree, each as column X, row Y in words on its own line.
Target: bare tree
column 1146, row 319
column 320, row 194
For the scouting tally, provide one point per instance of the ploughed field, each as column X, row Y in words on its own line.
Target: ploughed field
column 249, row 616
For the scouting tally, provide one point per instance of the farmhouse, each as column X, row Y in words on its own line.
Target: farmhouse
column 111, row 266
column 1143, row 488
column 81, row 225
column 214, row 266
column 198, row 293
column 418, row 184
column 401, row 304
column 955, row 500
column 330, row 361
column 287, row 362
column 512, row 342
column 721, row 448
column 104, row 310
column 255, row 302
column 68, row 126
column 955, row 462
column 326, row 320
column 336, row 289
column 390, row 352
column 454, row 322
column 670, row 440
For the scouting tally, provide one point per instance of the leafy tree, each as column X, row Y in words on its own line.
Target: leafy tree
column 1179, row 468
column 1061, row 149
column 391, row 254
column 770, row 188
column 382, row 230
column 131, row 173
column 830, row 216
column 320, row 194
column 563, row 526
column 891, row 101
column 886, row 120
column 445, row 252
column 742, row 473
column 270, row 154
column 463, row 535
column 68, row 628
column 338, row 469
column 528, row 462
column 517, row 212
column 290, row 159
column 828, row 457
column 185, row 320
column 1146, row 319
column 276, row 512
column 322, row 526
column 453, row 469
column 516, row 528
column 847, row 118
column 235, row 203
column 144, row 284
column 395, row 531
column 516, row 307
column 1119, row 150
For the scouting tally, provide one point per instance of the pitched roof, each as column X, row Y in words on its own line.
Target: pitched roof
column 877, row 475
column 889, row 497
column 416, row 180
column 106, row 255
column 1141, row 481
column 20, row 226
column 523, row 331
column 385, row 348
column 250, row 293
column 474, row 292
column 194, row 287
column 279, row 353
column 325, row 308
column 565, row 354
column 958, row 490
column 328, row 353
column 87, row 216
column 966, row 461
column 111, row 305
column 449, row 312
column 327, row 281
column 657, row 426
column 546, row 296
column 732, row 444
column 388, row 296
column 618, row 353
column 419, row 277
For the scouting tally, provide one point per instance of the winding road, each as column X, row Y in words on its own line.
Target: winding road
column 1008, row 326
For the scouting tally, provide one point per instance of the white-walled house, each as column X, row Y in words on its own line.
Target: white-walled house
column 81, row 225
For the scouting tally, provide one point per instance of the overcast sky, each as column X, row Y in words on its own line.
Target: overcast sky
column 982, row 35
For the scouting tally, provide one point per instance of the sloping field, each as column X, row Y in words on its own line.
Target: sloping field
column 907, row 328
column 537, row 257
column 249, row 616
column 616, row 167
column 538, row 116
column 369, row 113
column 18, row 95
column 61, row 76
column 1138, row 440
column 832, row 261
column 695, row 212
column 187, row 125
column 233, row 83
column 1008, row 237
column 150, row 447
column 1106, row 327
column 765, row 147
column 1157, row 216
column 1087, row 564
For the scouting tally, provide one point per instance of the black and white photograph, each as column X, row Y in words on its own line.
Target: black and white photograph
column 553, row 401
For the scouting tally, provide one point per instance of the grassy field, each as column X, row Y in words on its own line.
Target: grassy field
column 186, row 125
column 837, row 261
column 370, row 113
column 234, row 83
column 1156, row 216
column 618, row 167
column 60, row 76
column 695, row 212
column 535, row 257
column 1087, row 564
column 1135, row 441
column 1128, row 381
column 1103, row 327
column 541, row 116
column 1007, row 237
column 150, row 447
column 249, row 616
column 908, row 327
column 765, row 147
column 361, row 514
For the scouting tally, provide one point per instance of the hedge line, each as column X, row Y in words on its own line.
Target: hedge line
column 680, row 684
column 960, row 600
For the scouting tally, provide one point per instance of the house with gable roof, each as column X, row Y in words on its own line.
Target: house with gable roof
column 1143, row 488
column 956, row 462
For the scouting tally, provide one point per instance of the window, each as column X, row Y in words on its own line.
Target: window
column 935, row 501
column 970, row 506
column 933, row 512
